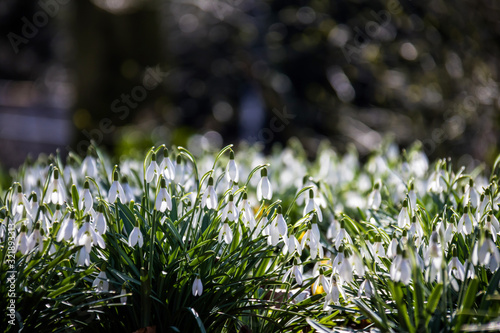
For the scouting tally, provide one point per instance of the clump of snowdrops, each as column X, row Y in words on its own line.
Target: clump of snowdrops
column 238, row 241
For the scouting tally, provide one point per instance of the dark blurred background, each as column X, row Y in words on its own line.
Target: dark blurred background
column 202, row 73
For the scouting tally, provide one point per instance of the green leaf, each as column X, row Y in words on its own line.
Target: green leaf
column 199, row 259
column 317, row 326
column 433, row 302
column 61, row 290
column 198, row 319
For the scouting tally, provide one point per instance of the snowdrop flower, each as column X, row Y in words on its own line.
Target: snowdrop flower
column 32, row 205
column 312, row 238
column 87, row 236
column 334, row 294
column 484, row 203
column 342, row 266
column 466, row 224
column 492, row 226
column 100, row 221
column 403, row 217
column 333, row 229
column 83, row 257
column 296, row 271
column 89, row 166
column 375, row 198
column 400, row 270
column 18, row 201
column 436, row 181
column 434, row 257
column 278, row 227
column 247, row 215
column 135, row 237
column 321, row 281
column 163, row 200
column 116, row 190
column 456, row 270
column 416, row 232
column 167, row 167
column 486, row 253
column 67, row 229
column 209, row 198
column 294, row 244
column 264, row 189
column 226, row 233
column 152, row 170
column 413, row 197
column 55, row 191
column 23, row 241
column 230, row 212
column 197, row 288
column 342, row 237
column 129, row 193
column 101, row 283
column 365, row 288
column 123, row 298
column 470, row 195
column 312, row 206
column 86, row 200
column 377, row 249
column 232, row 173
column 36, row 238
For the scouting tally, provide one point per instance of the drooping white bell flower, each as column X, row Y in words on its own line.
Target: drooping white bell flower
column 467, row 222
column 486, row 253
column 400, row 270
column 226, row 233
column 135, row 237
column 55, row 191
column 321, row 280
column 232, row 173
column 167, row 167
column 247, row 215
column 209, row 198
column 334, row 295
column 404, row 217
column 312, row 206
column 375, row 198
column 116, row 190
column 341, row 265
column 197, row 288
column 456, row 270
column 87, row 236
column 100, row 221
column 67, row 230
column 36, row 238
column 278, row 227
column 101, row 282
column 296, row 271
column 230, row 212
column 129, row 193
column 123, row 293
column 89, row 166
column 163, row 199
column 365, row 288
column 470, row 195
column 23, row 241
column 86, row 201
column 433, row 258
column 83, row 257
column 18, row 201
column 152, row 170
column 412, row 196
column 342, row 237
column 264, row 188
